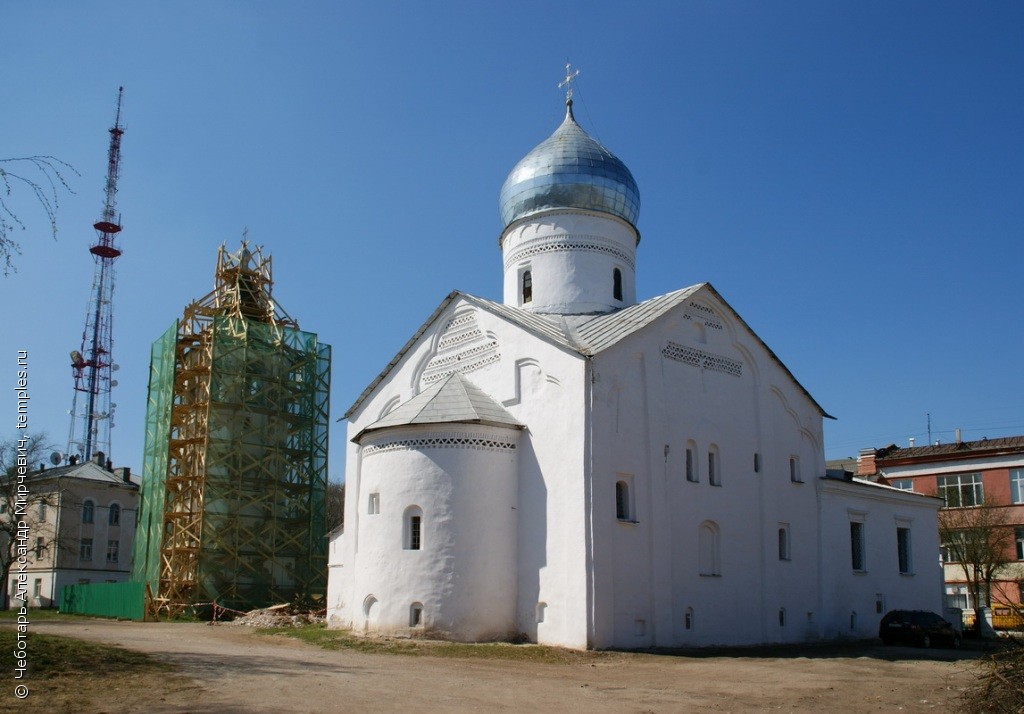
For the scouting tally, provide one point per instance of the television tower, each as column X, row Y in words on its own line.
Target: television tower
column 92, row 412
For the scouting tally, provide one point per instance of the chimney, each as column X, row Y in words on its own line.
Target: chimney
column 958, row 440
column 110, row 465
column 99, row 458
column 866, row 463
column 911, row 442
column 126, row 473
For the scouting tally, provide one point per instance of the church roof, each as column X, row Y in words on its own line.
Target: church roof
column 569, row 169
column 454, row 399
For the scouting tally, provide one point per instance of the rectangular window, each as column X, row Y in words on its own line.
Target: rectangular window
column 42, row 510
column 903, row 484
column 961, row 490
column 794, row 470
column 414, row 532
column 113, row 551
column 857, row 545
column 1019, row 533
column 40, row 546
column 85, row 549
column 373, row 507
column 783, row 542
column 37, row 588
column 691, row 470
column 622, row 500
column 1017, row 485
column 903, row 549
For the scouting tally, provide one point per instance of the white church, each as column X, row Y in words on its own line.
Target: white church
column 576, row 468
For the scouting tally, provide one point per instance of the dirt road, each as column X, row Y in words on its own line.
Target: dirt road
column 236, row 670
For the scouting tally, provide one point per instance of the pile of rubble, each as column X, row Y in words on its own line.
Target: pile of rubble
column 285, row 615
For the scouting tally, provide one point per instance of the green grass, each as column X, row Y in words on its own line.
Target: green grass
column 35, row 615
column 320, row 636
column 50, row 656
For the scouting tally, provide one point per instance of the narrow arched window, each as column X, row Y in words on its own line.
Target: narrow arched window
column 783, row 543
column 707, row 548
column 617, row 284
column 87, row 511
column 412, row 535
column 114, row 515
column 527, row 286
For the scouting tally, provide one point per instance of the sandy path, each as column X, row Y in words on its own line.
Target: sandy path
column 239, row 671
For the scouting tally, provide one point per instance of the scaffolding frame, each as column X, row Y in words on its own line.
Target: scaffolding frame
column 235, row 467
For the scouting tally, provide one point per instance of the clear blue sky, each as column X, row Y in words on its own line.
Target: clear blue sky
column 849, row 175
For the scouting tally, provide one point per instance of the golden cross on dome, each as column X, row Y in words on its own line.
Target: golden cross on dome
column 567, row 82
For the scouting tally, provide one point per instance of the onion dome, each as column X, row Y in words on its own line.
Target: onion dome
column 569, row 169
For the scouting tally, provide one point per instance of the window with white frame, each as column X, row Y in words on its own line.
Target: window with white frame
column 1017, row 485
column 961, row 490
column 903, row 484
column 85, row 549
column 113, row 551
column 857, row 545
column 903, row 550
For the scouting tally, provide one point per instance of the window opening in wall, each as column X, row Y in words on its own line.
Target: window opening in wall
column 691, row 466
column 757, row 463
column 542, row 608
column 414, row 532
column 412, row 535
column 783, row 543
column 688, row 619
column 879, row 603
column 622, row 501
column 42, row 511
column 527, row 286
column 853, row 619
column 782, row 617
column 85, row 549
column 1019, row 533
column 87, row 511
column 640, row 627
column 371, row 608
column 794, row 470
column 1017, row 485
column 714, row 477
column 617, row 284
column 416, row 615
column 903, row 549
column 113, row 551
column 373, row 504
column 114, row 515
column 903, row 484
column 707, row 549
column 40, row 546
column 37, row 587
column 857, row 545
column 961, row 490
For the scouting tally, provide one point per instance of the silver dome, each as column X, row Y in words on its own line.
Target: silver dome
column 569, row 169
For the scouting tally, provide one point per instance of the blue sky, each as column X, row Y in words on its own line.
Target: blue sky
column 849, row 175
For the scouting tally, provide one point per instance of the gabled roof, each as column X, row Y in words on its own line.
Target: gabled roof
column 454, row 399
column 586, row 335
column 954, row 450
column 89, row 471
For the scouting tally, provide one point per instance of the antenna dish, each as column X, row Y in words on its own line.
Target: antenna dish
column 56, row 457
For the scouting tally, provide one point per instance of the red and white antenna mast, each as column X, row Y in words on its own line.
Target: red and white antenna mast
column 92, row 412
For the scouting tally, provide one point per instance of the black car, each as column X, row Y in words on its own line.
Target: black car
column 917, row 627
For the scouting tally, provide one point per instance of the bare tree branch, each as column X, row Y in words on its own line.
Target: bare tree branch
column 45, row 190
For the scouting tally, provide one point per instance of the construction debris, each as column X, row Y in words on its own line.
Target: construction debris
column 285, row 615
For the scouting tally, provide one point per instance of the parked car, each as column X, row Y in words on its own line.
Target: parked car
column 917, row 627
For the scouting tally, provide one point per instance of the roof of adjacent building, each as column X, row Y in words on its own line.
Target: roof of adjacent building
column 586, row 335
column 88, row 471
column 979, row 447
column 455, row 399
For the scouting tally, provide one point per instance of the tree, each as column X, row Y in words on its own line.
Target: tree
column 22, row 512
column 335, row 505
column 981, row 541
column 45, row 188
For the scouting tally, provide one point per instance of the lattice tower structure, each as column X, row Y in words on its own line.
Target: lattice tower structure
column 235, row 464
column 92, row 411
